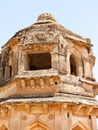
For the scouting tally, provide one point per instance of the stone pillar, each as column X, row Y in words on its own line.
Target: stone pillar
column 54, row 61
column 58, row 122
column 62, row 63
column 79, row 68
column 20, row 60
column 0, row 74
column 4, row 63
column 92, row 62
column 15, row 63
column 68, row 63
column 15, row 122
column 66, row 121
column 87, row 68
column 7, row 72
column 26, row 62
column 94, row 122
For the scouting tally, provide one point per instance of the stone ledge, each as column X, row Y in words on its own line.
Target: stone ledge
column 66, row 98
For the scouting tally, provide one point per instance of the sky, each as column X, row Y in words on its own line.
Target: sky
column 79, row 16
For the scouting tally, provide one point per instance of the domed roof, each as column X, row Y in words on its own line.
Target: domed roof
column 46, row 29
column 45, row 17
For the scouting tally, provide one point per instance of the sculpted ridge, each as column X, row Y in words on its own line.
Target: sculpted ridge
column 46, row 16
column 47, row 29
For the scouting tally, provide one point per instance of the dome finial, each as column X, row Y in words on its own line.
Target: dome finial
column 45, row 17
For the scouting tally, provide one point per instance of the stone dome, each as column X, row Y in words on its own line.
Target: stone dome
column 45, row 17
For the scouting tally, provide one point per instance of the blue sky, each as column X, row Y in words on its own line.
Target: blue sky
column 80, row 16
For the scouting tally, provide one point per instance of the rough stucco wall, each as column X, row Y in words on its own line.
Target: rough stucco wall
column 45, row 116
column 54, row 98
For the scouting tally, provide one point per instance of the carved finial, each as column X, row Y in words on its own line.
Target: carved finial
column 45, row 17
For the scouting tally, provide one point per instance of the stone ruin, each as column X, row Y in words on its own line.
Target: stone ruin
column 46, row 79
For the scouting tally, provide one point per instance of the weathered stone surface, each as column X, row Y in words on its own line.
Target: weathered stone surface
column 46, row 79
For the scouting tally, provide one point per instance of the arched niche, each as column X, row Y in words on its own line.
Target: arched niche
column 79, row 126
column 73, row 66
column 74, row 61
column 3, row 127
column 37, row 126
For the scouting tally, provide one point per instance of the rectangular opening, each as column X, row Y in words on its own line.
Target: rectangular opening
column 10, row 71
column 68, row 114
column 39, row 61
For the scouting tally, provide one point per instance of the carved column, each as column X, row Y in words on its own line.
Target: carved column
column 92, row 62
column 6, row 67
column 68, row 63
column 94, row 122
column 79, row 67
column 54, row 61
column 15, row 122
column 62, row 63
column 58, row 120
column 26, row 62
column 15, row 63
column 7, row 72
column 87, row 68
column 20, row 60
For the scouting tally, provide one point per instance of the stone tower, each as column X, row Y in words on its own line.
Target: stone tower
column 46, row 79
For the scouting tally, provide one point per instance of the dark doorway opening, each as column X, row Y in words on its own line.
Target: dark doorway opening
column 39, row 61
column 73, row 66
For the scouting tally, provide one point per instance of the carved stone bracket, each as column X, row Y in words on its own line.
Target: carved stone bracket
column 38, row 85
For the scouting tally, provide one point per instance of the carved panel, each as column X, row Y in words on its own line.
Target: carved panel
column 4, row 111
column 80, row 126
column 3, row 127
column 37, row 126
column 38, row 85
column 42, row 47
column 92, row 60
column 45, row 33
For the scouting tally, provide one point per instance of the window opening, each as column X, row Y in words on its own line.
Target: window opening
column 72, row 66
column 68, row 114
column 39, row 61
column 10, row 73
